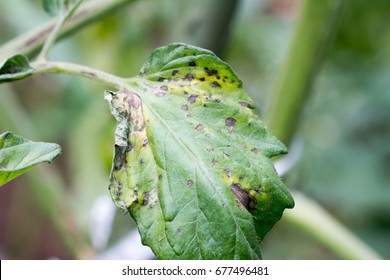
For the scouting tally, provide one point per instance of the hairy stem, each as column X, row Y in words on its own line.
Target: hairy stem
column 79, row 70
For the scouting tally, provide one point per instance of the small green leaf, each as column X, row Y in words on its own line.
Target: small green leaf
column 17, row 155
column 54, row 7
column 191, row 160
column 15, row 68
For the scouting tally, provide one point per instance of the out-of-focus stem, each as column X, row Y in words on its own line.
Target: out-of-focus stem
column 30, row 42
column 313, row 34
column 46, row 187
column 314, row 220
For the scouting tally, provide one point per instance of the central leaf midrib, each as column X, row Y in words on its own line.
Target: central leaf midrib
column 200, row 165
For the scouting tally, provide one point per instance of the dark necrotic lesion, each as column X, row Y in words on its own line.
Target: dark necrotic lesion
column 120, row 157
column 246, row 200
column 230, row 121
column 215, row 84
column 189, row 77
column 210, row 72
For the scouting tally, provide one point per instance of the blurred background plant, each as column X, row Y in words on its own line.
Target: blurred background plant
column 63, row 210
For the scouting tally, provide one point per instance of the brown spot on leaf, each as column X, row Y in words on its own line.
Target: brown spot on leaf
column 190, row 183
column 164, row 87
column 210, row 72
column 120, row 160
column 230, row 122
column 214, row 161
column 215, row 84
column 199, row 127
column 160, row 93
column 189, row 77
column 146, row 199
column 255, row 150
column 184, row 107
column 160, row 80
column 145, row 142
column 129, row 147
column 244, row 104
column 228, row 172
column 174, row 72
column 225, row 155
column 243, row 197
column 192, row 99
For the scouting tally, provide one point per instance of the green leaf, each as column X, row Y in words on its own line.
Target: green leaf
column 191, row 160
column 17, row 155
column 15, row 68
column 54, row 7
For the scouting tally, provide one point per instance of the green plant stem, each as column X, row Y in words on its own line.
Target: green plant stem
column 80, row 70
column 313, row 34
column 30, row 42
column 315, row 28
column 55, row 31
column 51, row 39
column 310, row 216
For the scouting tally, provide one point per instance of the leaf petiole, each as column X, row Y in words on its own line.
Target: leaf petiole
column 48, row 67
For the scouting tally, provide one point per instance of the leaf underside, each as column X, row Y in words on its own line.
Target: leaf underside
column 17, row 155
column 15, row 68
column 191, row 161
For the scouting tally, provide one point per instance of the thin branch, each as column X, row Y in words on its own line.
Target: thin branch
column 55, row 31
column 316, row 221
column 31, row 41
column 79, row 70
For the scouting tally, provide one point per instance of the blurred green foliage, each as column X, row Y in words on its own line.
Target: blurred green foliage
column 345, row 164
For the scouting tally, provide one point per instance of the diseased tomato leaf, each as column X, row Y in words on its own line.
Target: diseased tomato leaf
column 191, row 161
